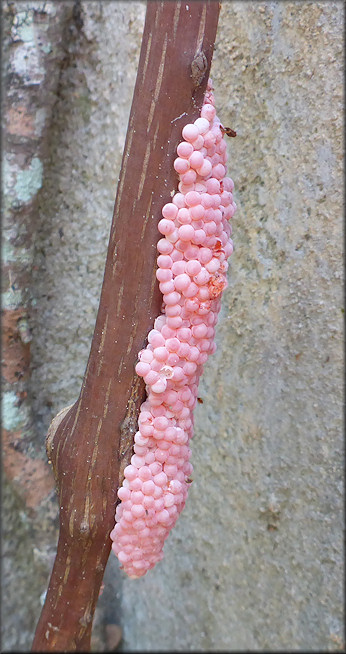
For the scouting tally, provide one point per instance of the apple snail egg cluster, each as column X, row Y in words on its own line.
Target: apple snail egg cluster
column 192, row 266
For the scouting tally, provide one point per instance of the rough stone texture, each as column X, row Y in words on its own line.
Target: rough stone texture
column 255, row 561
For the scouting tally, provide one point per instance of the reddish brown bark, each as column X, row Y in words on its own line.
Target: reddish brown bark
column 90, row 443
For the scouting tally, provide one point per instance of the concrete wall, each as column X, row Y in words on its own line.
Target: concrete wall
column 255, row 561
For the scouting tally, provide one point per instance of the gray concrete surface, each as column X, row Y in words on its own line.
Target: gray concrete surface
column 256, row 559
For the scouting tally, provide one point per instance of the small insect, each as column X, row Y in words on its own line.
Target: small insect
column 228, row 131
column 189, row 480
column 199, row 399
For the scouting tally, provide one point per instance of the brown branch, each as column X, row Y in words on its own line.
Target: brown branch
column 90, row 443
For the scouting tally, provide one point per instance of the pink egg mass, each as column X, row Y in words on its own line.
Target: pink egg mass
column 192, row 267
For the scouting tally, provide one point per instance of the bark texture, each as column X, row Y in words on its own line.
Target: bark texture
column 91, row 442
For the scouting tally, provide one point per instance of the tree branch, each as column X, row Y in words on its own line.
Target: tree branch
column 90, row 443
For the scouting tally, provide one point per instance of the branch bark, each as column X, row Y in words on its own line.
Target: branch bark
column 90, row 443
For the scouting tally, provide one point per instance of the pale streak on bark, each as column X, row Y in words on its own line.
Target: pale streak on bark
column 201, row 29
column 146, row 218
column 152, row 288
column 68, row 568
column 134, row 331
column 120, row 297
column 155, row 134
column 176, row 19
column 158, row 84
column 74, row 422
column 157, row 17
column 105, row 408
column 131, row 339
column 85, row 553
column 114, row 256
column 95, row 451
column 120, row 365
column 144, row 172
column 147, row 54
column 61, row 585
column 94, row 456
column 103, row 337
column 86, row 515
column 122, row 181
column 71, row 521
column 84, row 621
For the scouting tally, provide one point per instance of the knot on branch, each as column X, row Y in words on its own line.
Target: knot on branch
column 51, row 434
column 199, row 68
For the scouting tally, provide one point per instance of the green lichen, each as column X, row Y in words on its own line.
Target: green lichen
column 11, row 299
column 29, row 181
column 12, row 416
column 9, row 254
column 7, row 176
column 25, row 32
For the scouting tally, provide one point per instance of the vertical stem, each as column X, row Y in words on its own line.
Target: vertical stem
column 90, row 443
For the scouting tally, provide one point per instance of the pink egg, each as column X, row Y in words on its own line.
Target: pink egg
column 192, row 250
column 179, row 200
column 130, row 472
column 199, row 236
column 184, row 216
column 219, row 171
column 184, row 149
column 155, row 338
column 124, row 494
column 198, row 142
column 161, row 353
column 164, row 246
column 188, row 178
column 206, row 199
column 181, row 165
column 159, row 386
column 191, row 290
column 164, row 261
column 190, row 132
column 202, row 125
column 192, row 198
column 166, row 226
column 213, row 185
column 171, row 298
column 172, row 310
column 205, row 168
column 186, row 232
column 164, row 274
column 169, row 211
column 142, row 368
column 197, row 212
column 182, row 281
column 208, row 112
column 196, row 160
column 166, row 287
column 178, row 267
column 191, row 265
column 205, row 255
